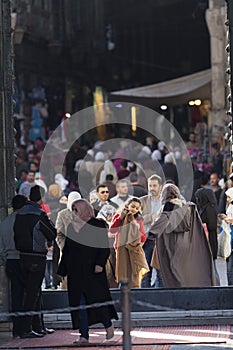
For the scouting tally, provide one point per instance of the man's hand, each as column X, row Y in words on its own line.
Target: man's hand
column 153, row 217
column 98, row 269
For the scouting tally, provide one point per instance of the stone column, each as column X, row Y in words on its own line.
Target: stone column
column 215, row 17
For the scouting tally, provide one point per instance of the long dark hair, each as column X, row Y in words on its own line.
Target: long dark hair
column 138, row 215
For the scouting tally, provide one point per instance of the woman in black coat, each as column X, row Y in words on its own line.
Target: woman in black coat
column 83, row 261
column 208, row 210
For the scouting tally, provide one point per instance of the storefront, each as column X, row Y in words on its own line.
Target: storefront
column 184, row 101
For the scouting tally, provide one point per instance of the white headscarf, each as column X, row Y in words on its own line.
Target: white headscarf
column 61, row 181
column 72, row 197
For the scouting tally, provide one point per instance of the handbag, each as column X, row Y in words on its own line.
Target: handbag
column 224, row 240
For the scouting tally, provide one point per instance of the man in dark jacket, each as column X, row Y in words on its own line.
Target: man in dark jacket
column 9, row 257
column 32, row 232
column 103, row 198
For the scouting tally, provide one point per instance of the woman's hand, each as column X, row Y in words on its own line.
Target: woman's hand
column 98, row 268
column 124, row 212
column 228, row 220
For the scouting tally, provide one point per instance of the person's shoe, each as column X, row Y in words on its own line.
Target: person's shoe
column 81, row 341
column 15, row 334
column 31, row 334
column 110, row 332
column 45, row 331
column 48, row 330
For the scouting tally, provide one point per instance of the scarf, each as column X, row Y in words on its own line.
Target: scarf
column 81, row 213
column 129, row 231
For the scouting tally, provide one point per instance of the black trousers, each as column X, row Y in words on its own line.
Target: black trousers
column 148, row 248
column 14, row 273
column 33, row 270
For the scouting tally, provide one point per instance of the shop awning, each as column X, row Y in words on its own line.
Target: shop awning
column 172, row 92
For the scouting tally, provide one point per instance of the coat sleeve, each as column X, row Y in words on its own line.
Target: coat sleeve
column 158, row 226
column 62, row 267
column 115, row 224
column 47, row 227
column 61, row 237
column 103, row 251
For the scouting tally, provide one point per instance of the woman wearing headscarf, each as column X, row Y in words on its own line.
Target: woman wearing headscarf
column 83, row 261
column 184, row 252
column 208, row 210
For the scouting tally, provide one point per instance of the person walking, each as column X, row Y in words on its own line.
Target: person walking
column 64, row 218
column 32, row 231
column 83, row 262
column 184, row 252
column 128, row 226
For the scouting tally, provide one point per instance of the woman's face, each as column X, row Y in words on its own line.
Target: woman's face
column 75, row 213
column 134, row 208
column 229, row 200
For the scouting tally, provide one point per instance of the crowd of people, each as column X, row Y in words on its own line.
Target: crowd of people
column 106, row 220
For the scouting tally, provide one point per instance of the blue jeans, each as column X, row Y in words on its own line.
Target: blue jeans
column 159, row 280
column 83, row 325
column 83, row 320
column 49, row 274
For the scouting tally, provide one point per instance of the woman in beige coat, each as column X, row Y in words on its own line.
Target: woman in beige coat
column 128, row 226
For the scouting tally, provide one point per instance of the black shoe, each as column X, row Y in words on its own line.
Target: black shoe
column 31, row 334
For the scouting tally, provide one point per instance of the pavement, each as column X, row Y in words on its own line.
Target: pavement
column 206, row 337
column 210, row 330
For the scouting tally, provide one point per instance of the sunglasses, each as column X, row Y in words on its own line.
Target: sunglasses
column 104, row 192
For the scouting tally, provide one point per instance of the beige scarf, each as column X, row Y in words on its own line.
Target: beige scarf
column 129, row 231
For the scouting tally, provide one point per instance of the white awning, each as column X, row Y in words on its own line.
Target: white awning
column 175, row 91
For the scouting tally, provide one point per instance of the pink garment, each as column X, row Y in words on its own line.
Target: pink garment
column 117, row 159
column 117, row 222
column 82, row 211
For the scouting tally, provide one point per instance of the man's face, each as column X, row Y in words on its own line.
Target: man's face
column 214, row 179
column 154, row 188
column 31, row 157
column 122, row 189
column 192, row 137
column 31, row 177
column 103, row 194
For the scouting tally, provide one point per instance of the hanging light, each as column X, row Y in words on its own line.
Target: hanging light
column 191, row 103
column 134, row 119
column 197, row 102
